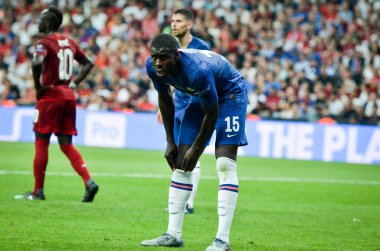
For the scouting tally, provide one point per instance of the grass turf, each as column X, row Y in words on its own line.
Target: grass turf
column 282, row 205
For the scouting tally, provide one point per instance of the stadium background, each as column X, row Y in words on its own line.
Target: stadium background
column 303, row 60
column 307, row 63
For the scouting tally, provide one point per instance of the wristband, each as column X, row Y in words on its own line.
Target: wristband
column 72, row 85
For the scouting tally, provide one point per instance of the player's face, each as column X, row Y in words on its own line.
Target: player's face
column 43, row 24
column 163, row 61
column 180, row 25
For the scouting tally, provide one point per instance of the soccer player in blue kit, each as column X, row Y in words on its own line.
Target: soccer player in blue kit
column 181, row 24
column 218, row 101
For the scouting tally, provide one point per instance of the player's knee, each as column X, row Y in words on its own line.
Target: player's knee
column 65, row 147
column 225, row 167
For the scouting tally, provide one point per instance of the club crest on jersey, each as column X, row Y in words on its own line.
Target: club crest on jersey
column 63, row 42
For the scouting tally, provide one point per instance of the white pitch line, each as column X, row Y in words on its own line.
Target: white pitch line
column 206, row 177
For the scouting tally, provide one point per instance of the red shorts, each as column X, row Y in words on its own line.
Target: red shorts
column 56, row 117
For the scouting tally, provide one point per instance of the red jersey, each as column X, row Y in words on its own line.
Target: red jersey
column 59, row 52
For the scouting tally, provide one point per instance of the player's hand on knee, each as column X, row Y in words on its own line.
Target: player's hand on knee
column 190, row 159
column 171, row 155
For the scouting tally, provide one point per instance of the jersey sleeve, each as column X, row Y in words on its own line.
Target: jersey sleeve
column 206, row 89
column 203, row 46
column 158, row 85
column 40, row 48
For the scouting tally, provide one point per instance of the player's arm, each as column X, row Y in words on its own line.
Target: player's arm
column 205, row 133
column 166, row 105
column 37, row 62
column 85, row 67
column 207, row 127
column 159, row 115
column 209, row 101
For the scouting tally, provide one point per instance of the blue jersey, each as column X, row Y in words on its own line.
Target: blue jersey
column 181, row 100
column 204, row 74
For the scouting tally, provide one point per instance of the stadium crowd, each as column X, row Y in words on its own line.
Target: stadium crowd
column 303, row 60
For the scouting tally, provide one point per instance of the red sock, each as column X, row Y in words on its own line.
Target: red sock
column 76, row 161
column 40, row 163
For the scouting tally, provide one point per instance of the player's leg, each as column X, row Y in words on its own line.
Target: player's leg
column 179, row 192
column 179, row 115
column 41, row 154
column 228, row 188
column 230, row 134
column 41, row 147
column 194, row 109
column 76, row 159
column 181, row 182
column 77, row 162
column 195, row 180
column 45, row 117
column 64, row 135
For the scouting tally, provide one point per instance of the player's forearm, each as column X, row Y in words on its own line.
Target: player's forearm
column 83, row 72
column 36, row 70
column 207, row 127
column 166, row 107
column 168, row 124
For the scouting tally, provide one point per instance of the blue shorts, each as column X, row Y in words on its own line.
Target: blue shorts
column 178, row 116
column 229, row 128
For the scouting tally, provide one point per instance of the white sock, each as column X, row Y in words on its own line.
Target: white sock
column 179, row 193
column 196, row 177
column 227, row 195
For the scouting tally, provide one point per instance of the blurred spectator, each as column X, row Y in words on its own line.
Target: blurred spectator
column 303, row 60
column 372, row 109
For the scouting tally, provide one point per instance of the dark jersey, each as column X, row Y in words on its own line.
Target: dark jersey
column 59, row 53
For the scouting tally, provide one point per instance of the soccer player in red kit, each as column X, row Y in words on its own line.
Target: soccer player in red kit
column 55, row 111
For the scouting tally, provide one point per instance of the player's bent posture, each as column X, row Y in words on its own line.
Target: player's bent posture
column 55, row 111
column 181, row 24
column 218, row 101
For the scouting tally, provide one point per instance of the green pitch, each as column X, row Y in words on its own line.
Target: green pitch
column 283, row 204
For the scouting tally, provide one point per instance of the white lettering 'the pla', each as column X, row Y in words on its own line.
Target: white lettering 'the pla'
column 286, row 140
column 334, row 141
column 373, row 151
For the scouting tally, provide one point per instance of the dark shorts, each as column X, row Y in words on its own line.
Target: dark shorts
column 56, row 117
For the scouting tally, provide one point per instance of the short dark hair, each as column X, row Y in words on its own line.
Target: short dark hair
column 185, row 12
column 165, row 41
column 55, row 16
column 57, row 13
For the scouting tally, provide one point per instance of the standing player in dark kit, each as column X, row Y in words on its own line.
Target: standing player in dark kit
column 218, row 101
column 55, row 111
column 181, row 24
